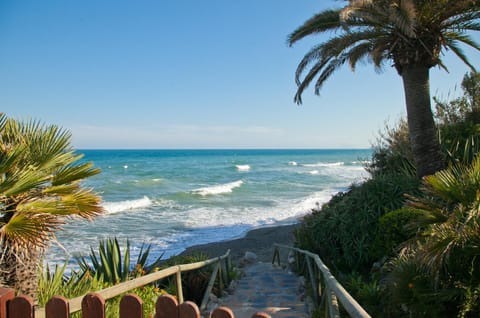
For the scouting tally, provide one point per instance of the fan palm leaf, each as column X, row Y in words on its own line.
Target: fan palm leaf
column 40, row 176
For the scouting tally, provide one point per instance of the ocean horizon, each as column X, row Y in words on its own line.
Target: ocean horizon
column 176, row 198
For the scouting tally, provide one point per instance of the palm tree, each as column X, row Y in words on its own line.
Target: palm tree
column 39, row 186
column 409, row 33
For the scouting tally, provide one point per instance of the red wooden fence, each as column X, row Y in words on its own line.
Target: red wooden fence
column 93, row 306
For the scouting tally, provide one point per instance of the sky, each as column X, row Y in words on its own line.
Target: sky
column 162, row 74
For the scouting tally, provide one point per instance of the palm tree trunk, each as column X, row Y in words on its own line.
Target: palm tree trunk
column 19, row 269
column 423, row 136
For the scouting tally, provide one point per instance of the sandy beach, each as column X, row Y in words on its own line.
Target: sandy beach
column 259, row 241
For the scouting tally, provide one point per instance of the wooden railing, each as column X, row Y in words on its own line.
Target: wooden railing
column 327, row 291
column 222, row 265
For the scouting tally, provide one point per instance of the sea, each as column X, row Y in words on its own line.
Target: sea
column 173, row 199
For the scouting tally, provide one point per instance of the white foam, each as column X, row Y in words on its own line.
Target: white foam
column 281, row 211
column 292, row 163
column 323, row 164
column 314, row 172
column 218, row 189
column 363, row 162
column 115, row 207
column 243, row 167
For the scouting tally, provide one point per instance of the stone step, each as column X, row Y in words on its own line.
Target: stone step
column 265, row 287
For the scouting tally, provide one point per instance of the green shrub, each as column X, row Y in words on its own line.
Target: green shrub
column 57, row 282
column 343, row 231
column 412, row 290
column 367, row 292
column 393, row 230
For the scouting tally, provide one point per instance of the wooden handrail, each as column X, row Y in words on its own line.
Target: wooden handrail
column 111, row 292
column 348, row 302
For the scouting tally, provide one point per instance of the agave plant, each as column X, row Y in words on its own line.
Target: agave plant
column 110, row 267
column 40, row 176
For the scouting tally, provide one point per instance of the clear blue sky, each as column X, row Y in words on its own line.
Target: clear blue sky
column 187, row 74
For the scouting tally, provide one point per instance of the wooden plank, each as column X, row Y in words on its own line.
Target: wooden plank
column 166, row 307
column 21, row 307
column 131, row 306
column 333, row 309
column 222, row 312
column 57, row 307
column 197, row 265
column 93, row 306
column 208, row 290
column 188, row 310
column 6, row 295
column 110, row 292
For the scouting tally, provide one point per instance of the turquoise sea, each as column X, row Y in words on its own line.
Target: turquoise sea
column 173, row 199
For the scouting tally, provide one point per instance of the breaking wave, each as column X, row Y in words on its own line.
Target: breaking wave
column 115, row 207
column 218, row 189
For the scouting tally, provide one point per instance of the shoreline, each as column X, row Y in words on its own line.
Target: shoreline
column 259, row 241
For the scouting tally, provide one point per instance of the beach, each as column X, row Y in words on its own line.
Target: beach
column 259, row 241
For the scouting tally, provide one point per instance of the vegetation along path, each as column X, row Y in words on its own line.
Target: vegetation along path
column 268, row 288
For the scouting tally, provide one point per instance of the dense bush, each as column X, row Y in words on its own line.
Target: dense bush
column 393, row 229
column 343, row 231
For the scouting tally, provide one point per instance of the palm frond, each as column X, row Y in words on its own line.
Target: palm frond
column 324, row 21
column 34, row 229
column 328, row 70
column 403, row 17
column 308, row 79
column 72, row 173
column 22, row 182
column 358, row 53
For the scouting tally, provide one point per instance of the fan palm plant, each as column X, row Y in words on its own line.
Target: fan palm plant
column 40, row 178
column 451, row 217
column 446, row 250
column 411, row 34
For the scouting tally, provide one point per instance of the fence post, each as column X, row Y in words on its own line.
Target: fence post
column 21, row 307
column 312, row 278
column 188, row 309
column 93, row 306
column 166, row 307
column 131, row 306
column 276, row 256
column 178, row 279
column 57, row 307
column 222, row 312
column 6, row 294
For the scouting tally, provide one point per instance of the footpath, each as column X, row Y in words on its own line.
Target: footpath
column 268, row 288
